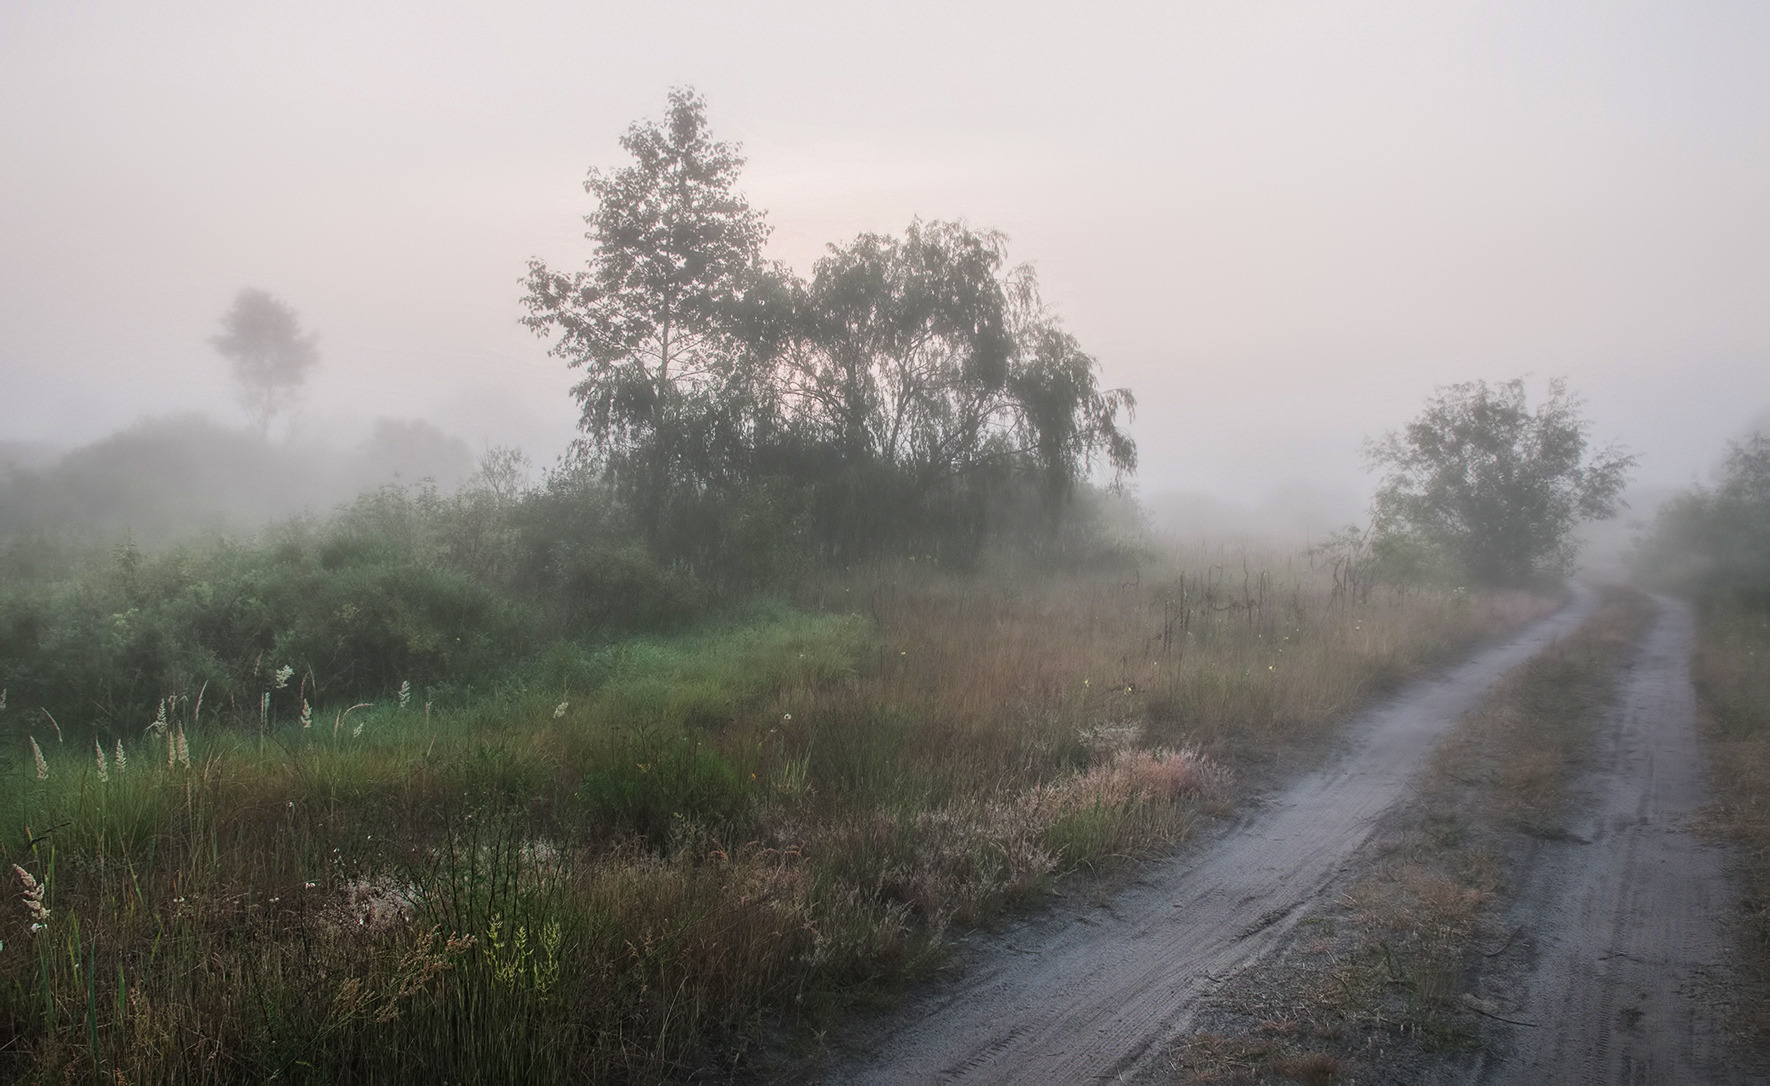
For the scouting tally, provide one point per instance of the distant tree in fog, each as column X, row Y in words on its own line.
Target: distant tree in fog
column 271, row 355
column 1482, row 482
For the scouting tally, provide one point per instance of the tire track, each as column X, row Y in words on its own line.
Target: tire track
column 1096, row 1001
column 1625, row 963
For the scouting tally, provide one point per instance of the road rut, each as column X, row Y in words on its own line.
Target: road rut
column 1624, row 953
column 1095, row 999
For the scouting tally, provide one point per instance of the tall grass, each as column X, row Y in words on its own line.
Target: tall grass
column 1733, row 684
column 630, row 862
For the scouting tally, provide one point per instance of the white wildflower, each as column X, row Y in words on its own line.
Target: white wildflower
column 37, row 754
column 184, row 750
column 306, row 714
column 283, row 675
column 104, row 772
column 559, row 710
column 117, row 756
column 405, row 693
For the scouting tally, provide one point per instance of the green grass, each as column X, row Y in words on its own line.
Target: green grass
column 629, row 861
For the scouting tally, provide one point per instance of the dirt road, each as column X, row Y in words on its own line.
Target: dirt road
column 1091, row 995
column 1622, row 956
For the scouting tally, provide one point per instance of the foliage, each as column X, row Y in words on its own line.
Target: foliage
column 653, row 320
column 637, row 857
column 1481, row 481
column 404, row 585
column 912, row 390
column 271, row 355
column 1716, row 542
column 921, row 371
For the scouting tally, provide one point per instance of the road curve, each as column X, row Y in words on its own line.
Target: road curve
column 1095, row 999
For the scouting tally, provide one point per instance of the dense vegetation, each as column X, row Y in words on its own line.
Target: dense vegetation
column 627, row 856
column 914, row 394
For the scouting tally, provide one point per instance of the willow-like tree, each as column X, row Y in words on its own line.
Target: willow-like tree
column 927, row 367
column 270, row 353
column 1484, row 483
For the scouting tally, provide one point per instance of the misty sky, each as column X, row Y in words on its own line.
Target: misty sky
column 1282, row 225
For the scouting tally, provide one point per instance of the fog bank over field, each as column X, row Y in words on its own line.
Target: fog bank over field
column 167, row 479
column 1281, row 227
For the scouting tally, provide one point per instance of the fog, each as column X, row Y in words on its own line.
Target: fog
column 1281, row 225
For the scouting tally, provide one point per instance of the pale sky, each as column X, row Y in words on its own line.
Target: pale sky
column 1281, row 225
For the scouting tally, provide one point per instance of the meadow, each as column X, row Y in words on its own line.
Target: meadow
column 645, row 856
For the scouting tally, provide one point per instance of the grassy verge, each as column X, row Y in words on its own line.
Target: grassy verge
column 1379, row 982
column 630, row 862
column 1732, row 672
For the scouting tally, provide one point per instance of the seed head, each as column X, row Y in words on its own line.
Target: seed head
column 33, row 896
column 37, row 754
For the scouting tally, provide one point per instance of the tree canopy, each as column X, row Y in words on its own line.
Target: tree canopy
column 270, row 353
column 1494, row 488
column 907, row 384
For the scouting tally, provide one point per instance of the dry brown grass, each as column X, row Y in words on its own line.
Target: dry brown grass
column 820, row 813
column 1732, row 672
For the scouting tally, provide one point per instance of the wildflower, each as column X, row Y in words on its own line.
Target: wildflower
column 33, row 896
column 405, row 692
column 159, row 724
column 356, row 732
column 283, row 675
column 42, row 766
column 118, row 757
column 184, row 750
column 306, row 714
column 104, row 773
column 559, row 710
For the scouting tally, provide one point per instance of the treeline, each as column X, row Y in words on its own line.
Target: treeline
column 914, row 392
column 1715, row 542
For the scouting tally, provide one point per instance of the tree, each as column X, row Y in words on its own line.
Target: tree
column 726, row 399
column 1494, row 488
column 1717, row 541
column 652, row 320
column 271, row 356
column 923, row 366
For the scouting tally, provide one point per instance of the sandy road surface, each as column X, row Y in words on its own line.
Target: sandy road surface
column 1622, row 954
column 1092, row 998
